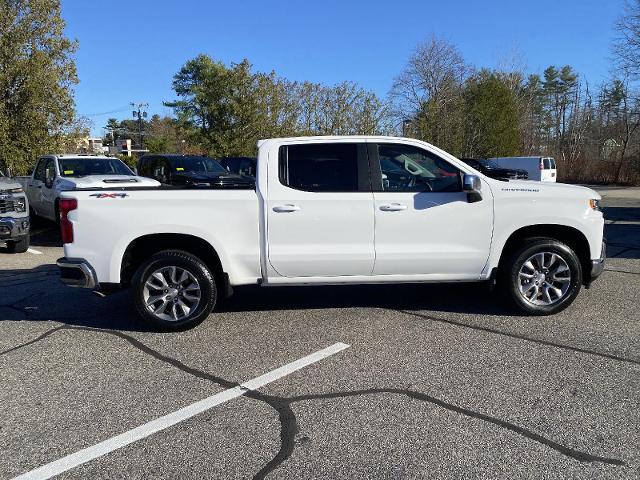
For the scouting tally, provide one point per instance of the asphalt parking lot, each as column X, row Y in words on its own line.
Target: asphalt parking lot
column 436, row 381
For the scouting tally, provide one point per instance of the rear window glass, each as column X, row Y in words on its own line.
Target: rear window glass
column 320, row 167
column 547, row 163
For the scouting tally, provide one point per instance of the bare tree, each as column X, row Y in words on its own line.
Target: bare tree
column 627, row 45
column 429, row 87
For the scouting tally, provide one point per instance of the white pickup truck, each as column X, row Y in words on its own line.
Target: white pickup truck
column 55, row 174
column 334, row 210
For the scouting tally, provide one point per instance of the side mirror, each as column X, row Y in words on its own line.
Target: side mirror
column 473, row 186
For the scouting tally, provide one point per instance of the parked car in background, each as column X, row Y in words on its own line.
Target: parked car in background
column 190, row 171
column 55, row 174
column 335, row 210
column 14, row 215
column 493, row 170
column 240, row 165
column 542, row 169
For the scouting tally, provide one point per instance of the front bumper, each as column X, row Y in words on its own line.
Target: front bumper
column 76, row 272
column 597, row 266
column 13, row 228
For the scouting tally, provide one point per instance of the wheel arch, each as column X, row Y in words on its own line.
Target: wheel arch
column 143, row 247
column 570, row 236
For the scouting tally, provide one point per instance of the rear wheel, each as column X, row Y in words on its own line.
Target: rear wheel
column 173, row 290
column 542, row 277
column 18, row 246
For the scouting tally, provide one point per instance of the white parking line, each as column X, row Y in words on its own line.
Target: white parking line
column 83, row 456
column 35, row 252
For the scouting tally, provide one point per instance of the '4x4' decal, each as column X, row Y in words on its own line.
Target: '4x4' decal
column 109, row 195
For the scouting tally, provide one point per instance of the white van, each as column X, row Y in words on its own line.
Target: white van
column 542, row 169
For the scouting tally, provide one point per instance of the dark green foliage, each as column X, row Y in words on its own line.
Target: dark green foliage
column 37, row 73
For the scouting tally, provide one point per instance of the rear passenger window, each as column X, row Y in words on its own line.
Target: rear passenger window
column 330, row 167
column 547, row 163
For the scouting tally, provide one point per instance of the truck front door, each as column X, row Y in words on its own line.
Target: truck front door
column 424, row 224
column 35, row 186
column 320, row 217
column 48, row 192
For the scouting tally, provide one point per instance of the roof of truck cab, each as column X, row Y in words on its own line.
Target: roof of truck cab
column 335, row 137
column 82, row 155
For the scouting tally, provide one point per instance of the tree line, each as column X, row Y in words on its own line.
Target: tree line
column 593, row 132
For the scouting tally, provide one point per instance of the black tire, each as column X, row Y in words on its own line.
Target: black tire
column 510, row 278
column 183, row 261
column 18, row 246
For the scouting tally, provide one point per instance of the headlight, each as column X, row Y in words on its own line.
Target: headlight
column 594, row 203
column 19, row 205
column 11, row 190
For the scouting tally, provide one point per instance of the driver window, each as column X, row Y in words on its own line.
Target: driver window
column 40, row 170
column 410, row 169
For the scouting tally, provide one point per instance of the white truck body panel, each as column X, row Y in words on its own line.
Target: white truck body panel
column 531, row 165
column 280, row 235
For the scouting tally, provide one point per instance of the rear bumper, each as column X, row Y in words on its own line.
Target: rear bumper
column 597, row 266
column 77, row 272
column 13, row 228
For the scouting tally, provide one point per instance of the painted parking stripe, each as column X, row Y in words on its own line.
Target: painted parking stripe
column 35, row 252
column 83, row 456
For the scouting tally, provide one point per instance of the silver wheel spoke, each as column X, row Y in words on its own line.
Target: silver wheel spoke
column 547, row 295
column 191, row 298
column 154, row 299
column 162, row 308
column 160, row 278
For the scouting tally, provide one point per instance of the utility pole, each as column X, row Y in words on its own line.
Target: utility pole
column 140, row 112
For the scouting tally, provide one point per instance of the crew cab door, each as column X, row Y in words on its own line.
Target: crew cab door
column 424, row 224
column 48, row 192
column 36, row 184
column 320, row 217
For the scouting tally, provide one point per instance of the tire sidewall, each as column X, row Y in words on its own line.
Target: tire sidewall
column 18, row 246
column 185, row 261
column 527, row 251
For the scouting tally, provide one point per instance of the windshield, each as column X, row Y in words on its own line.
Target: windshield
column 80, row 167
column 197, row 164
column 489, row 164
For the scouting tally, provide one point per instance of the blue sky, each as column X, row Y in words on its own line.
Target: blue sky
column 129, row 50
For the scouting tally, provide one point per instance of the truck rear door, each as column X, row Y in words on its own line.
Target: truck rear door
column 320, row 217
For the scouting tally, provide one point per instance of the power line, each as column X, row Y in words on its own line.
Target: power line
column 120, row 110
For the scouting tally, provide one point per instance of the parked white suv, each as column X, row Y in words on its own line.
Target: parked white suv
column 334, row 210
column 55, row 174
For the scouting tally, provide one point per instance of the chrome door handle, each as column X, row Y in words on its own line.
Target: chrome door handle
column 286, row 208
column 393, row 207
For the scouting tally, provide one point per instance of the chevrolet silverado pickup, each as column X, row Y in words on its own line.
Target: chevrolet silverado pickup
column 55, row 174
column 334, row 210
column 14, row 215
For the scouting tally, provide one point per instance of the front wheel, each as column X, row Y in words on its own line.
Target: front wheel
column 173, row 290
column 18, row 246
column 542, row 277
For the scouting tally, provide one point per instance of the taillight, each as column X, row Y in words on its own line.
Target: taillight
column 66, row 227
